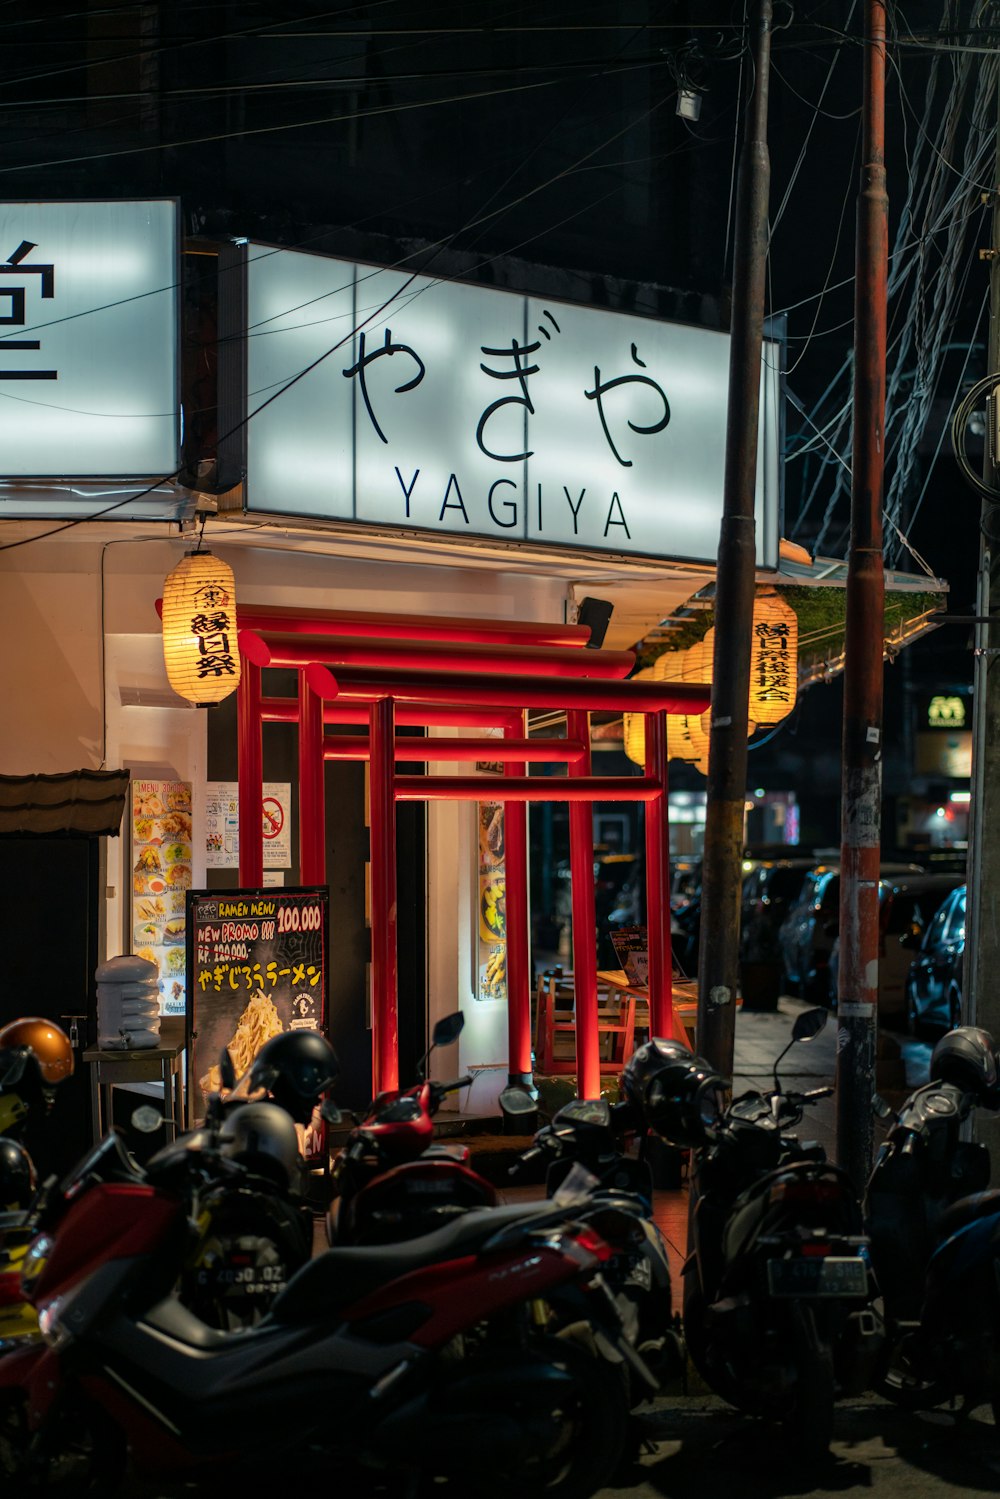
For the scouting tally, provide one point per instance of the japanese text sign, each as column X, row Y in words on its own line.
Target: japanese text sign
column 256, row 968
column 470, row 411
column 88, row 339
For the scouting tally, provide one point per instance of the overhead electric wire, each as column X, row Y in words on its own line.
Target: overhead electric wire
column 293, row 380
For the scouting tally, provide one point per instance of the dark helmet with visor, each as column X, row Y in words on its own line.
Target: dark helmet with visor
column 295, row 1069
column 674, row 1092
column 966, row 1057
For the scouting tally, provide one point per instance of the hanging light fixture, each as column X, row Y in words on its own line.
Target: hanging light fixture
column 199, row 629
column 774, row 659
column 687, row 735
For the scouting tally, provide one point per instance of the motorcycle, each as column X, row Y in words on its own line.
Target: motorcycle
column 391, row 1181
column 777, row 1281
column 412, row 1359
column 239, row 1177
column 935, row 1238
column 587, row 1134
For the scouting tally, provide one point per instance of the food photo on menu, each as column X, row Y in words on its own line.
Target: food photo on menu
column 162, row 842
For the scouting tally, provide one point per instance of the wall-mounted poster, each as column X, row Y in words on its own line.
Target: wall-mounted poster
column 222, row 825
column 257, row 966
column 492, row 933
column 161, row 844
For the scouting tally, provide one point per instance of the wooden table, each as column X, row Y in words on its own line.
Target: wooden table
column 110, row 1069
column 685, row 992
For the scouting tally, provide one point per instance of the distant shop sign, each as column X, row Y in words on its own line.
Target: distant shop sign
column 88, row 341
column 436, row 406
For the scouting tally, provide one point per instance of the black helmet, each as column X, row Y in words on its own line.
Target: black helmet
column 966, row 1057
column 262, row 1138
column 295, row 1069
column 675, row 1093
column 17, row 1177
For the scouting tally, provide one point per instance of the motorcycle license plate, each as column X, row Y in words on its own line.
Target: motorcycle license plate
column 830, row 1275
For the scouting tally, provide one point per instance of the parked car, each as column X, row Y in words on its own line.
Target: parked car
column 685, row 883
column 934, row 982
column 769, row 889
column 619, row 899
column 907, row 906
column 807, row 934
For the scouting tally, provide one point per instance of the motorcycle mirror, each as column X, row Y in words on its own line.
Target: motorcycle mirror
column 227, row 1072
column 809, row 1024
column 146, row 1119
column 328, row 1110
column 447, row 1030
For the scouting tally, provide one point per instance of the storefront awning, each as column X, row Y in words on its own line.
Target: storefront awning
column 78, row 803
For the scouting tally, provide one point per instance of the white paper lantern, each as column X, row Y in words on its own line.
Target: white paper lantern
column 199, row 629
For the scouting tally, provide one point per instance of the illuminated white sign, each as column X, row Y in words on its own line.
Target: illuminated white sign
column 422, row 404
column 88, row 339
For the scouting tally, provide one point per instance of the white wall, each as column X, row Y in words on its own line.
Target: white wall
column 64, row 708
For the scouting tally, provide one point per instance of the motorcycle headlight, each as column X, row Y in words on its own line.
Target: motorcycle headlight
column 34, row 1263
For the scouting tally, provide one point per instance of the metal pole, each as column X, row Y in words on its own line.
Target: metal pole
column 519, row 975
column 734, row 591
column 385, row 1020
column 861, row 797
column 980, row 993
column 581, row 876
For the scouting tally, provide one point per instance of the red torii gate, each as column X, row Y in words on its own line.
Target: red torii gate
column 377, row 671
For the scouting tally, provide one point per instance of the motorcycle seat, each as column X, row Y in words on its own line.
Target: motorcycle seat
column 334, row 1280
column 967, row 1210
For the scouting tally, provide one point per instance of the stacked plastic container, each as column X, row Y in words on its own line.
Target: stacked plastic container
column 128, row 1004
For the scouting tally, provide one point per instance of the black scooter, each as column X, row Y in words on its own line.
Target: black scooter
column 935, row 1239
column 586, row 1136
column 777, row 1282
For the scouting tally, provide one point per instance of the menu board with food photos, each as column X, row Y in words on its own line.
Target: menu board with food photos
column 492, row 944
column 161, row 828
column 257, row 967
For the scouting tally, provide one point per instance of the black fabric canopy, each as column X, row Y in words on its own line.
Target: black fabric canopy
column 76, row 802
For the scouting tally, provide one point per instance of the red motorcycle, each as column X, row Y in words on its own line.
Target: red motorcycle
column 418, row 1359
column 391, row 1182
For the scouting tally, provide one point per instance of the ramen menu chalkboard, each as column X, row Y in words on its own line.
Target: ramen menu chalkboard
column 256, row 966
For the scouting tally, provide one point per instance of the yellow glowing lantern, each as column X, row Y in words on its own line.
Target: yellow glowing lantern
column 687, row 736
column 774, row 659
column 199, row 629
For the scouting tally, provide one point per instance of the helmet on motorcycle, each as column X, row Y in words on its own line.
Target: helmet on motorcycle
column 966, row 1057
column 17, row 1177
column 295, row 1068
column 675, row 1093
column 261, row 1137
column 48, row 1044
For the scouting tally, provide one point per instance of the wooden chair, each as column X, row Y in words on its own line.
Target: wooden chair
column 555, row 1020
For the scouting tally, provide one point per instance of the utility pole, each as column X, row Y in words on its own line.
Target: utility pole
column 722, row 873
column 861, row 797
column 981, row 990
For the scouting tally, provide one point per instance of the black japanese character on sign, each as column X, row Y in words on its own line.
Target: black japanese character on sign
column 601, row 389
column 15, row 313
column 365, row 359
column 208, row 624
column 211, row 596
column 772, row 666
column 215, row 659
column 520, row 373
